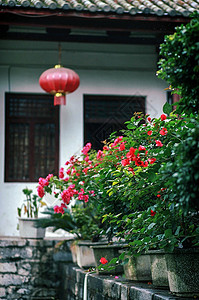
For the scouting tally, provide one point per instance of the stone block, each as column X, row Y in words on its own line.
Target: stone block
column 80, row 276
column 12, row 242
column 95, row 283
column 8, row 268
column 124, row 292
column 2, row 292
column 24, row 272
column 62, row 256
column 111, row 289
column 23, row 291
column 11, row 279
column 140, row 293
column 15, row 254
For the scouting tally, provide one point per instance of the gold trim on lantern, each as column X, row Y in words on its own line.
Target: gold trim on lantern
column 57, row 66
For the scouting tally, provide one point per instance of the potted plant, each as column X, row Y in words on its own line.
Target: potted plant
column 77, row 212
column 28, row 216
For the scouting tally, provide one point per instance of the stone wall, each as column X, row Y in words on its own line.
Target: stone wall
column 104, row 287
column 33, row 269
column 29, row 268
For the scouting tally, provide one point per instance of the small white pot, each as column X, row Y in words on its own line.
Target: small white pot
column 27, row 229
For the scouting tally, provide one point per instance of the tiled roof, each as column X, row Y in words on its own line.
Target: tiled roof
column 132, row 7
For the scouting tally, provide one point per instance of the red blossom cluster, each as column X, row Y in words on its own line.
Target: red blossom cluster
column 77, row 170
column 42, row 183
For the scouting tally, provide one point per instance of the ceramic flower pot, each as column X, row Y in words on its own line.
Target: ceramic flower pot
column 158, row 268
column 73, row 249
column 108, row 252
column 183, row 272
column 138, row 268
column 85, row 255
column 28, row 229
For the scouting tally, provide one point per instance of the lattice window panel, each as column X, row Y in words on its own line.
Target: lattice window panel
column 106, row 114
column 32, row 137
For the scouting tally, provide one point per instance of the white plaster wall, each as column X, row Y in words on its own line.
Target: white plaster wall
column 103, row 69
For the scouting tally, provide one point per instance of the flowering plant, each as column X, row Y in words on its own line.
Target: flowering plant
column 31, row 205
column 75, row 188
column 163, row 195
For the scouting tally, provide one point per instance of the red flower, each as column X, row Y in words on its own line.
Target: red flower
column 153, row 213
column 99, row 154
column 158, row 143
column 61, row 173
column 125, row 162
column 49, row 176
column 103, row 260
column 131, row 170
column 43, row 182
column 163, row 117
column 141, row 148
column 40, row 191
column 122, row 146
column 158, row 195
column 149, row 132
column 149, row 119
column 163, row 131
column 152, row 160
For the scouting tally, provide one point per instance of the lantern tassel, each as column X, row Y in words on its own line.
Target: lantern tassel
column 59, row 99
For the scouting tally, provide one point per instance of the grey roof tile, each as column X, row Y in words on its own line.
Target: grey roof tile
column 132, row 7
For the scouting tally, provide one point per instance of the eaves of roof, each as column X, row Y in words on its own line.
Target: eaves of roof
column 178, row 8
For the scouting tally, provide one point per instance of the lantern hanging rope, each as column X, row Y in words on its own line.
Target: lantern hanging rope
column 59, row 81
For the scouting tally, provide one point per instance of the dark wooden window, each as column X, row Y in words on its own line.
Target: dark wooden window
column 32, row 137
column 106, row 114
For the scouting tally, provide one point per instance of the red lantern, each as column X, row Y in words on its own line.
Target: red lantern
column 59, row 81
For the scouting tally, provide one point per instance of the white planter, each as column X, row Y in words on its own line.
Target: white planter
column 85, row 255
column 27, row 229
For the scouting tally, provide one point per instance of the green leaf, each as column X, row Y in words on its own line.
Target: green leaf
column 125, row 261
column 167, row 108
column 168, row 233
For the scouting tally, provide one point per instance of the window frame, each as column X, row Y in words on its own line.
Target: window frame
column 32, row 121
column 111, row 97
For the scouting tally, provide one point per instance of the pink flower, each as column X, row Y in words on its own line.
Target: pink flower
column 61, row 173
column 158, row 143
column 116, row 141
column 40, row 191
column 86, row 148
column 49, row 176
column 163, row 131
column 141, row 148
column 68, row 171
column 86, row 158
column 103, row 260
column 149, row 132
column 163, row 117
column 59, row 209
column 43, row 182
